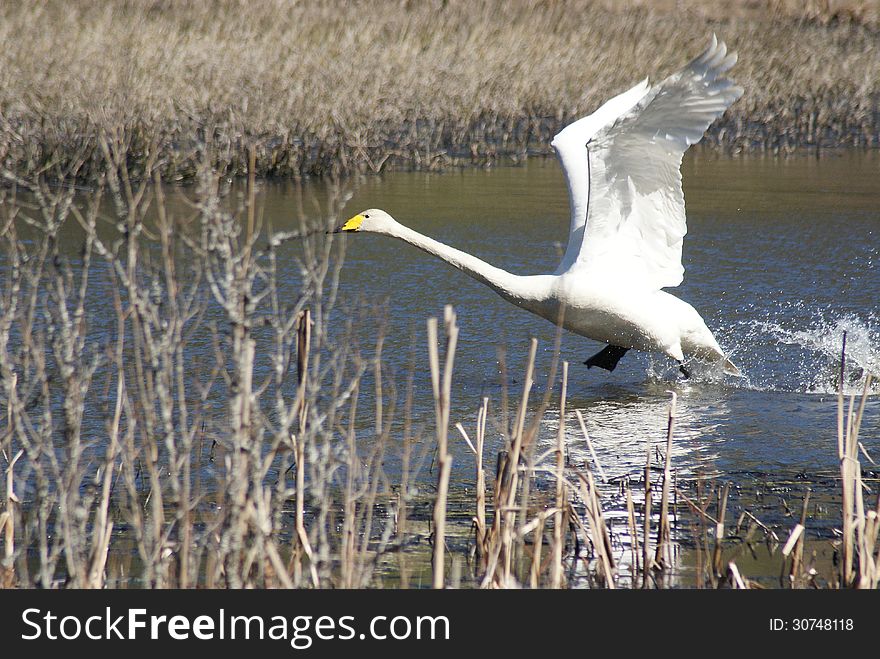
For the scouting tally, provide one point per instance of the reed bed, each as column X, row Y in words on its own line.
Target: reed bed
column 173, row 418
column 331, row 87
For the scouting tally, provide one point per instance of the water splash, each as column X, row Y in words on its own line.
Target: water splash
column 796, row 350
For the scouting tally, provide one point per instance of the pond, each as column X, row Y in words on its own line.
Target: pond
column 781, row 259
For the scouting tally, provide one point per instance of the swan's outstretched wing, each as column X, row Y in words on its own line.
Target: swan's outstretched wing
column 623, row 168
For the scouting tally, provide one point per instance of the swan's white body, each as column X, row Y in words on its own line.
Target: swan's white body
column 622, row 166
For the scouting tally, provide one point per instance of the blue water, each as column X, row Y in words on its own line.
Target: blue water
column 781, row 258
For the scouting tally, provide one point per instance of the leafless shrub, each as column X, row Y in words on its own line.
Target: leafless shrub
column 113, row 418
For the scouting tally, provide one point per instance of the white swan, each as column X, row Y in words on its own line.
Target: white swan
column 623, row 168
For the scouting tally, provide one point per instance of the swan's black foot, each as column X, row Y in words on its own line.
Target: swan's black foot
column 607, row 358
column 684, row 371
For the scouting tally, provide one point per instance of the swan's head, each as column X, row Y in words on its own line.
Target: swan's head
column 374, row 220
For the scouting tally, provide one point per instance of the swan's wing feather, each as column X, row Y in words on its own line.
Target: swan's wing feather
column 569, row 145
column 634, row 218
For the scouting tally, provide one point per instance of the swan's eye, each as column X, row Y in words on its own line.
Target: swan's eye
column 366, row 217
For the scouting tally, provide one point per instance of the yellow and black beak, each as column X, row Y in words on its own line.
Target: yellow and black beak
column 352, row 224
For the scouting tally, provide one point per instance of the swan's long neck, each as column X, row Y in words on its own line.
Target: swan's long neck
column 522, row 290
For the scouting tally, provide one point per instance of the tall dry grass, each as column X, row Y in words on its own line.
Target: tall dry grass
column 336, row 87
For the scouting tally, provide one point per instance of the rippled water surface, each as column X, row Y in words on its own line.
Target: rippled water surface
column 781, row 259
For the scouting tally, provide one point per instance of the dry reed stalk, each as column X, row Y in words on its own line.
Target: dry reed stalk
column 7, row 572
column 865, row 559
column 598, row 536
column 180, row 308
column 766, row 529
column 278, row 564
column 442, row 388
column 734, row 577
column 7, row 520
column 377, row 375
column 251, row 211
column 719, row 529
column 303, row 350
column 481, row 483
column 846, row 575
column 663, row 553
column 793, row 537
column 633, row 531
column 99, row 559
column 872, row 547
column 349, row 498
column 848, row 479
column 537, row 546
column 524, row 497
column 511, row 471
column 556, row 547
column 502, row 535
column 104, row 527
column 455, row 573
column 840, row 398
column 302, row 536
column 590, row 446
column 647, row 560
column 860, row 532
column 799, row 535
column 480, row 533
column 302, row 546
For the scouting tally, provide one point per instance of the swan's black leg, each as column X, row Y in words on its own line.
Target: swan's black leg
column 684, row 371
column 607, row 358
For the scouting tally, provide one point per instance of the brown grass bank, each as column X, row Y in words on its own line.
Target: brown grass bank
column 336, row 87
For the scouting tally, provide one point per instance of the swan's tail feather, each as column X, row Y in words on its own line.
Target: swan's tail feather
column 730, row 368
